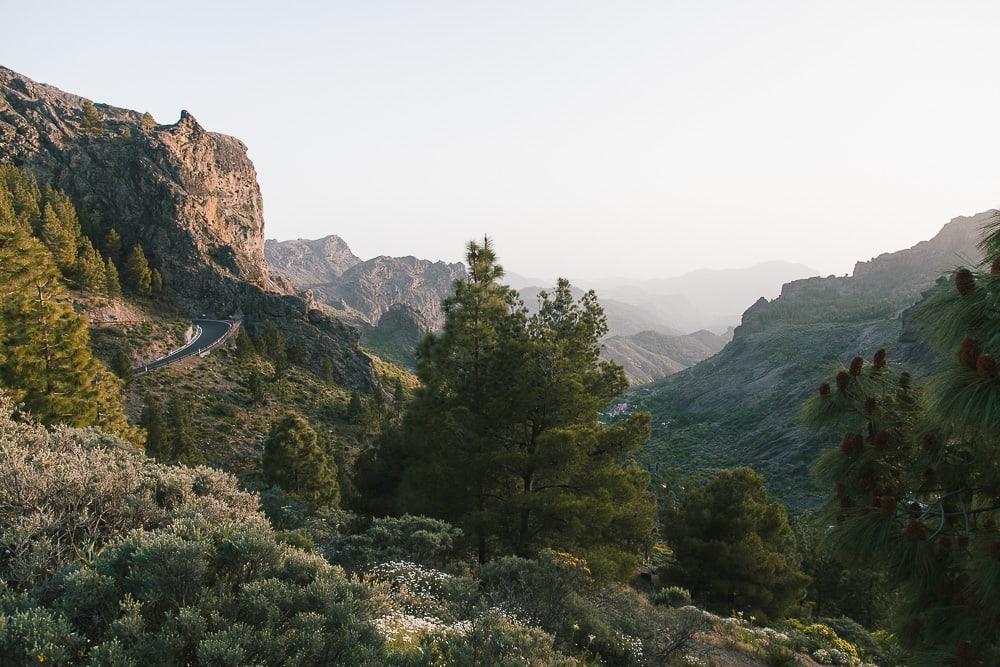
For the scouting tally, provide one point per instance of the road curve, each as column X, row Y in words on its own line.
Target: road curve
column 207, row 334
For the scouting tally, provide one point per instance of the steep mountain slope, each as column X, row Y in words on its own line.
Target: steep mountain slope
column 650, row 355
column 741, row 406
column 188, row 196
column 367, row 289
column 308, row 262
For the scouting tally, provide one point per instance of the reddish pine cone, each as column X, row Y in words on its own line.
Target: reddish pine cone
column 853, row 443
column 986, row 365
column 965, row 282
column 995, row 267
column 843, row 379
column 965, row 652
column 856, row 365
column 881, row 440
column 968, row 353
column 916, row 531
column 887, row 505
column 993, row 550
column 824, row 390
column 879, row 359
column 869, row 405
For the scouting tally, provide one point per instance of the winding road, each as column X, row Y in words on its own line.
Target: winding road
column 207, row 334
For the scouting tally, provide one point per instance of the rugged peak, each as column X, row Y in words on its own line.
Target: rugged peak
column 189, row 196
column 308, row 263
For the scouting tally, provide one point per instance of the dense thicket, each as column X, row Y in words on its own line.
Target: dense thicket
column 916, row 477
column 45, row 360
column 735, row 548
column 504, row 437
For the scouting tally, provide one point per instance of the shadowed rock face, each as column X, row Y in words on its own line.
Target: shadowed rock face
column 365, row 290
column 189, row 196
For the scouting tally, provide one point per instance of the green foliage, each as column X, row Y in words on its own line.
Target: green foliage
column 91, row 121
column 504, row 439
column 245, row 348
column 112, row 245
column 147, row 123
column 138, row 276
column 170, row 565
column 734, row 547
column 154, row 421
column 255, row 385
column 422, row 540
column 915, row 480
column 156, row 282
column 112, row 285
column 121, row 365
column 182, row 447
column 672, row 596
column 295, row 461
column 45, row 359
column 89, row 271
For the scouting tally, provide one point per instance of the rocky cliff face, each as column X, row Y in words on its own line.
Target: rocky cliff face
column 309, row 263
column 740, row 406
column 366, row 290
column 189, row 196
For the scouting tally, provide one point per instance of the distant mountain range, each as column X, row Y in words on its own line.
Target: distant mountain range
column 740, row 407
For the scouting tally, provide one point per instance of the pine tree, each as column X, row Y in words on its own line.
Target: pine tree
column 90, row 271
column 295, row 461
column 916, row 486
column 255, row 385
column 121, row 365
column 158, row 444
column 46, row 360
column 504, row 437
column 60, row 240
column 735, row 548
column 113, row 246
column 137, row 274
column 245, row 349
column 179, row 426
column 156, row 282
column 328, row 376
column 112, row 287
column 355, row 408
column 148, row 123
column 91, row 122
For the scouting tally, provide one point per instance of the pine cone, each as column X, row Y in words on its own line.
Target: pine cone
column 965, row 652
column 995, row 267
column 986, row 365
column 824, row 389
column 879, row 359
column 916, row 531
column 881, row 440
column 968, row 354
column 853, row 443
column 843, row 379
column 856, row 365
column 993, row 550
column 929, row 443
column 904, row 380
column 965, row 282
column 887, row 504
column 869, row 405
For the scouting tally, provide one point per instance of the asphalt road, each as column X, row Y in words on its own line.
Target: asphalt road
column 207, row 333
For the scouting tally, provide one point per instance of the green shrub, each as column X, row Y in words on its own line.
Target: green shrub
column 422, row 540
column 672, row 596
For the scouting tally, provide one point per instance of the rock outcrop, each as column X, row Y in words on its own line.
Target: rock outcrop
column 189, row 196
column 310, row 263
column 365, row 290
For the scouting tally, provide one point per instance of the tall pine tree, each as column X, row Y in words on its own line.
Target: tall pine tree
column 504, row 437
column 295, row 461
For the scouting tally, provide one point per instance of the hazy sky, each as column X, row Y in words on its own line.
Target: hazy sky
column 588, row 138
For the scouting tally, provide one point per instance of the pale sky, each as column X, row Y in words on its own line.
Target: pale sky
column 590, row 139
